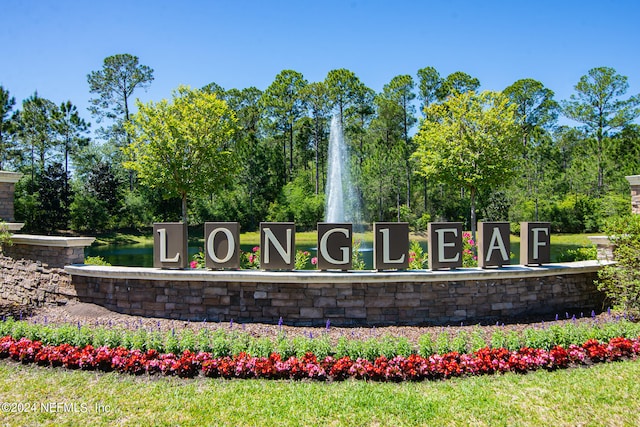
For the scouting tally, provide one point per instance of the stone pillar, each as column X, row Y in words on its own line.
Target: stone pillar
column 603, row 245
column 634, row 182
column 7, row 190
column 54, row 251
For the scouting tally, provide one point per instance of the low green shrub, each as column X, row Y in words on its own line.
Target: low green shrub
column 96, row 260
column 621, row 281
column 579, row 254
column 222, row 342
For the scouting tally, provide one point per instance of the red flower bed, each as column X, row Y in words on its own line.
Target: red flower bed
column 400, row 368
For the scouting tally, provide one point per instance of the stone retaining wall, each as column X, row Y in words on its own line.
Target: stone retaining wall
column 373, row 298
column 30, row 284
column 50, row 256
column 52, row 251
column 7, row 190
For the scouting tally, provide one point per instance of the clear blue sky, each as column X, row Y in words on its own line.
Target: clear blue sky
column 51, row 46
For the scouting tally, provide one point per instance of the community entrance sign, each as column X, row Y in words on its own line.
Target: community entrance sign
column 335, row 248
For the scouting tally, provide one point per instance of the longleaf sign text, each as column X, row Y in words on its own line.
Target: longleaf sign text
column 335, row 249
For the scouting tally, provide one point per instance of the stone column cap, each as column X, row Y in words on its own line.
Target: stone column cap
column 599, row 240
column 11, row 177
column 58, row 241
column 633, row 179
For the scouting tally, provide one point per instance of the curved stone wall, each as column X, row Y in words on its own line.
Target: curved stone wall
column 350, row 298
column 27, row 284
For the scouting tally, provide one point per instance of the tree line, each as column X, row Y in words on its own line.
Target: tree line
column 426, row 148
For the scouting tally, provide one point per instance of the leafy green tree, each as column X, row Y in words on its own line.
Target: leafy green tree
column 429, row 82
column 316, row 98
column 36, row 132
column 284, row 103
column 358, row 119
column 6, row 105
column 573, row 162
column 103, row 184
column 383, row 169
column 88, row 213
column 626, row 152
column 214, row 87
column 345, row 90
column 53, row 198
column 183, row 146
column 98, row 199
column 256, row 186
column 599, row 106
column 386, row 128
column 536, row 110
column 71, row 130
column 457, row 83
column 470, row 141
column 26, row 202
column 114, row 86
column 298, row 203
column 400, row 92
column 621, row 281
column 537, row 113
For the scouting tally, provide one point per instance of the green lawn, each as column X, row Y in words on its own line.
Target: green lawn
column 606, row 394
column 559, row 243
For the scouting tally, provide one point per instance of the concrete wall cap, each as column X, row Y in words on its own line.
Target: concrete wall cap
column 356, row 276
column 599, row 240
column 633, row 179
column 11, row 177
column 55, row 241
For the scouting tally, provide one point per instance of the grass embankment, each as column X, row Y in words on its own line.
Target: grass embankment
column 125, row 237
column 602, row 395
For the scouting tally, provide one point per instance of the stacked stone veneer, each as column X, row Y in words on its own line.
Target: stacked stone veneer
column 50, row 256
column 7, row 189
column 52, row 251
column 343, row 298
column 30, row 284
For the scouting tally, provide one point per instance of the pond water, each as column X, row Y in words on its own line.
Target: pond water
column 141, row 255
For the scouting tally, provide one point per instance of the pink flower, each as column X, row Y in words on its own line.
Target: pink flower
column 194, row 264
column 314, row 260
column 466, row 235
column 251, row 257
column 256, row 248
column 471, row 242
